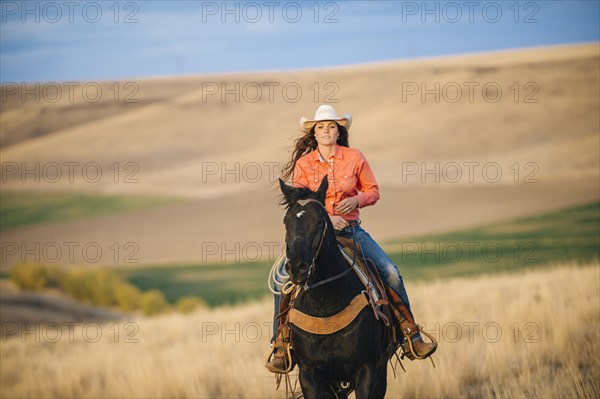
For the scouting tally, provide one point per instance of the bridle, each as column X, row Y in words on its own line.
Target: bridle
column 312, row 266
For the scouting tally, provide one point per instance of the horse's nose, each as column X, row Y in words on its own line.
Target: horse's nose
column 297, row 269
column 294, row 248
column 296, row 265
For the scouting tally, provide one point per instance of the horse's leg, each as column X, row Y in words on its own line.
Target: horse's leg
column 370, row 384
column 381, row 384
column 314, row 387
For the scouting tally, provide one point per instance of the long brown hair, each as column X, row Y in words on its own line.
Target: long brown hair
column 307, row 143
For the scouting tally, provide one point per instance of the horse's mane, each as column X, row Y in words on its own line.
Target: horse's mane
column 296, row 194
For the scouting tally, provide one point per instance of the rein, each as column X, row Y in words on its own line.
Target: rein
column 312, row 265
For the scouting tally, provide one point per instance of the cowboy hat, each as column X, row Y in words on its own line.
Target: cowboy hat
column 326, row 113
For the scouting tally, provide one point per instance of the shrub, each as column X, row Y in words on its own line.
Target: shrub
column 54, row 276
column 99, row 287
column 153, row 302
column 127, row 296
column 103, row 291
column 36, row 276
column 79, row 284
column 188, row 304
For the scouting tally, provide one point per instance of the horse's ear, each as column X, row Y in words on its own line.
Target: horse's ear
column 285, row 189
column 322, row 191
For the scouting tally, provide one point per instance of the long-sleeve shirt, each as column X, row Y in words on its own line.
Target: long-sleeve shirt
column 349, row 175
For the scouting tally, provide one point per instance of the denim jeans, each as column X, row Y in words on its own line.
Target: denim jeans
column 387, row 270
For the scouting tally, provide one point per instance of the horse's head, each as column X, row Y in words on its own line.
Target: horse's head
column 305, row 226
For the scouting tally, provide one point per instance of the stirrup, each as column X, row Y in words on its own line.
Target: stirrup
column 287, row 359
column 408, row 350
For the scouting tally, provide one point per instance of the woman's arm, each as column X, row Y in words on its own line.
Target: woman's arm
column 366, row 184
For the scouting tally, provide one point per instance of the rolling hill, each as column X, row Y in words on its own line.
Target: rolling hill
column 454, row 142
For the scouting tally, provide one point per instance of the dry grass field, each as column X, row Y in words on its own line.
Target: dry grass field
column 526, row 335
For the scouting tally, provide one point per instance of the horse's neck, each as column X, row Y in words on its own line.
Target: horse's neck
column 333, row 296
column 329, row 261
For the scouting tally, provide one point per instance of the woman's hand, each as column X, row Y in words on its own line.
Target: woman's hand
column 348, row 205
column 338, row 222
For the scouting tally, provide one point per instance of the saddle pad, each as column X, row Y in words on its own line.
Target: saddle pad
column 331, row 324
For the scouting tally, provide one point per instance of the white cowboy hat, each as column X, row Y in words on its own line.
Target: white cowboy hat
column 326, row 113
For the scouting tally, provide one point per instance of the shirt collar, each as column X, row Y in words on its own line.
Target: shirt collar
column 336, row 154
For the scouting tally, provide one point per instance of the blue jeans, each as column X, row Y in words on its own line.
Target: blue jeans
column 387, row 270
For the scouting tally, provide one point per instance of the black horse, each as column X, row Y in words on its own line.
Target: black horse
column 355, row 354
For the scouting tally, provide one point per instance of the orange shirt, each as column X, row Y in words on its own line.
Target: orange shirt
column 349, row 175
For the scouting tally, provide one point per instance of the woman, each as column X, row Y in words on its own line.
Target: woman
column 324, row 150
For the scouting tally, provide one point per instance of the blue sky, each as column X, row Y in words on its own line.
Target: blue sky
column 104, row 40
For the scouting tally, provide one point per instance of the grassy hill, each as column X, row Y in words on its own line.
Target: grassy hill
column 570, row 235
column 175, row 127
column 22, row 209
column 224, row 155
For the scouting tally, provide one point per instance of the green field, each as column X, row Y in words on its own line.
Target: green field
column 568, row 235
column 216, row 284
column 21, row 209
